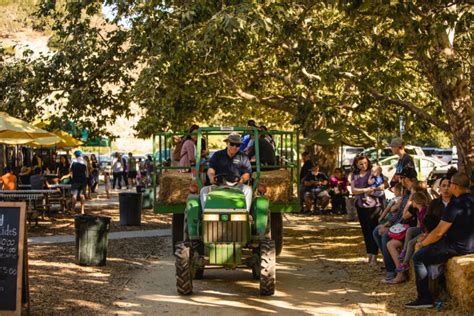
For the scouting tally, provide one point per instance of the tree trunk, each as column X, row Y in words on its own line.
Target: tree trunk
column 460, row 118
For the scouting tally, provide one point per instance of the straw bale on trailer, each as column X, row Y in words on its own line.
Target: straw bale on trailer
column 460, row 281
column 278, row 184
column 174, row 187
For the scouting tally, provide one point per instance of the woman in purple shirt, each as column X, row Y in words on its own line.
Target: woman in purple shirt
column 366, row 207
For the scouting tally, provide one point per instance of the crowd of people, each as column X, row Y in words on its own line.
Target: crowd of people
column 417, row 227
column 81, row 172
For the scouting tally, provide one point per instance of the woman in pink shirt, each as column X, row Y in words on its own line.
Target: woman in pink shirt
column 188, row 151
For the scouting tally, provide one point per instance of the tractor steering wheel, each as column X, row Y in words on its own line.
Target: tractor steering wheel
column 227, row 179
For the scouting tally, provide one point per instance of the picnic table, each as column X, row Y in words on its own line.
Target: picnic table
column 36, row 200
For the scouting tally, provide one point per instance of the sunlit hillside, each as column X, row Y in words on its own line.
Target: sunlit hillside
column 17, row 34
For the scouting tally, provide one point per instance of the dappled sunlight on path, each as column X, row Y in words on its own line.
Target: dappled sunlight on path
column 308, row 281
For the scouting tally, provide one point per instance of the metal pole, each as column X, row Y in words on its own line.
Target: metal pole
column 154, row 173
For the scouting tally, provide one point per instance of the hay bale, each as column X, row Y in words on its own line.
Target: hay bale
column 278, row 184
column 174, row 187
column 460, row 281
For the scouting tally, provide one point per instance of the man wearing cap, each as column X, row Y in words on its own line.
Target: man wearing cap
column 232, row 163
column 405, row 161
column 78, row 180
column 454, row 236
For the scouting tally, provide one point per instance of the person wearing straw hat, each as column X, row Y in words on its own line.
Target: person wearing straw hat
column 232, row 166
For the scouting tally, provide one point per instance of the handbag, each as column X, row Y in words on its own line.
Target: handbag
column 398, row 231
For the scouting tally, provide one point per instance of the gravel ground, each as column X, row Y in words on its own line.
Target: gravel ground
column 59, row 286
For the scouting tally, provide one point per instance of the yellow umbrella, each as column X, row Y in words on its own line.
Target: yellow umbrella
column 14, row 131
column 62, row 139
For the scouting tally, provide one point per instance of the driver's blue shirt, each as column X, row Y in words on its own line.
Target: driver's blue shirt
column 223, row 164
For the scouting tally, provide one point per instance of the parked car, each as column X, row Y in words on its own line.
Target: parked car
column 424, row 165
column 105, row 162
column 371, row 152
column 429, row 150
column 444, row 154
column 438, row 173
column 347, row 154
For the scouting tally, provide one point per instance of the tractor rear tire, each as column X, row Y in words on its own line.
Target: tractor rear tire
column 256, row 266
column 267, row 267
column 177, row 230
column 276, row 223
column 198, row 250
column 184, row 278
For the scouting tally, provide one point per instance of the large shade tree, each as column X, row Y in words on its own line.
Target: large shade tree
column 323, row 64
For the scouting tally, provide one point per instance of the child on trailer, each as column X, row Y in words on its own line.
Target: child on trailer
column 107, row 184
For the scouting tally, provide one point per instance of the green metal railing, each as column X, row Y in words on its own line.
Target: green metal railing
column 286, row 149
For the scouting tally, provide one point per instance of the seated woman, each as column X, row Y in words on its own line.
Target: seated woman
column 339, row 191
column 420, row 202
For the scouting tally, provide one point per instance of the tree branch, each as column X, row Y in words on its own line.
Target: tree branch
column 410, row 107
column 250, row 97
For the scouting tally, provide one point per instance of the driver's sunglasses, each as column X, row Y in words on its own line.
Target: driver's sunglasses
column 234, row 144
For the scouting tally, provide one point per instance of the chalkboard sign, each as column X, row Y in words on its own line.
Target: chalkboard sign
column 12, row 244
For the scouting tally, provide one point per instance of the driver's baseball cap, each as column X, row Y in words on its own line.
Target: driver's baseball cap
column 78, row 153
column 396, row 142
column 233, row 138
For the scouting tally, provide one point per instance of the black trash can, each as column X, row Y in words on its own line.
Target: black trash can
column 91, row 239
column 147, row 194
column 130, row 208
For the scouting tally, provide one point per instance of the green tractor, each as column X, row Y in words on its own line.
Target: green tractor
column 224, row 234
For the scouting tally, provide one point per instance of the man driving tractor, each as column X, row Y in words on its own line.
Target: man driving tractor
column 229, row 166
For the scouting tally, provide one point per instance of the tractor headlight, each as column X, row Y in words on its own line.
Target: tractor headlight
column 238, row 217
column 211, row 217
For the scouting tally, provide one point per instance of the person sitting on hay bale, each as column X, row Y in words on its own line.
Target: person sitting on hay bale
column 231, row 165
column 454, row 236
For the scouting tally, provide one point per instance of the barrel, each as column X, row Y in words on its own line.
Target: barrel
column 91, row 239
column 130, row 208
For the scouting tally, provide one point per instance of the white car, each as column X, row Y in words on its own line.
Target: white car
column 371, row 152
column 424, row 165
column 444, row 154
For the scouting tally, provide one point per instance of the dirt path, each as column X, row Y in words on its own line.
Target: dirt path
column 310, row 280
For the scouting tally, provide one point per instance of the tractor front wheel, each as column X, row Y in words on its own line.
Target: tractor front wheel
column 177, row 232
column 267, row 267
column 184, row 278
column 198, row 251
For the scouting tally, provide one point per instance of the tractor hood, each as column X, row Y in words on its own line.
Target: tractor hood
column 225, row 198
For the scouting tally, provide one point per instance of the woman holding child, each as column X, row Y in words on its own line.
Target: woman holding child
column 366, row 204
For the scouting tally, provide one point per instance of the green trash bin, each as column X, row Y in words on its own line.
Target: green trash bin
column 147, row 195
column 130, row 207
column 91, row 239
